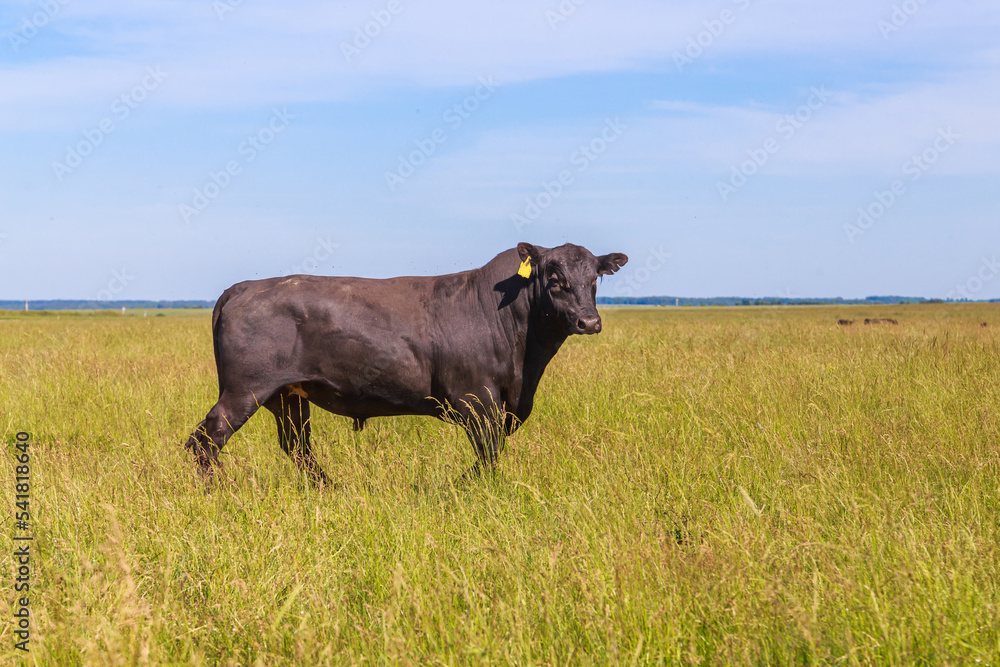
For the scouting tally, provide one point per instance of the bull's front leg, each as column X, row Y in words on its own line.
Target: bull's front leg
column 488, row 448
column 486, row 423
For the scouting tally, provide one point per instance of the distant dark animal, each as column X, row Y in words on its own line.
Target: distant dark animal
column 984, row 324
column 845, row 323
column 469, row 347
column 880, row 320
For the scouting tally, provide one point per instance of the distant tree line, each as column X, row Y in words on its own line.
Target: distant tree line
column 69, row 304
column 765, row 301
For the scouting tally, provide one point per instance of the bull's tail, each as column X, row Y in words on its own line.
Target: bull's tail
column 216, row 316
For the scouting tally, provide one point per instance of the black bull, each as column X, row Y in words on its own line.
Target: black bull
column 469, row 346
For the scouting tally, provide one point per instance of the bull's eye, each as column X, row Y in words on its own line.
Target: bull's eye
column 557, row 283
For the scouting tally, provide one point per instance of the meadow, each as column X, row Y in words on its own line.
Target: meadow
column 695, row 486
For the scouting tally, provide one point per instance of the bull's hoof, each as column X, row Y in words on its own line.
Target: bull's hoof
column 208, row 472
column 479, row 471
column 322, row 481
column 207, row 465
column 475, row 472
column 327, row 485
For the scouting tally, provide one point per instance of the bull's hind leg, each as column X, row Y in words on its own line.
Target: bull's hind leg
column 291, row 412
column 225, row 418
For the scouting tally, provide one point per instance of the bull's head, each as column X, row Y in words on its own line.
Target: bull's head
column 567, row 283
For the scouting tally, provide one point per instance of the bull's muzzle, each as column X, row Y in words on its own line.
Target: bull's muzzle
column 588, row 325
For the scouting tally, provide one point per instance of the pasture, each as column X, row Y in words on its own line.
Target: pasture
column 695, row 486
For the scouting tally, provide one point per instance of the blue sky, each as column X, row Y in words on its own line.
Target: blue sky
column 166, row 150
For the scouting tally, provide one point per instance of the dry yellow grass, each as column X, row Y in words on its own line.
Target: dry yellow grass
column 743, row 485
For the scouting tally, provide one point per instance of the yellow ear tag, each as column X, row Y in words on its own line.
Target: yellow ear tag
column 525, row 270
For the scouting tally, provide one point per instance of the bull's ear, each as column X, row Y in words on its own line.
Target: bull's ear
column 527, row 251
column 608, row 264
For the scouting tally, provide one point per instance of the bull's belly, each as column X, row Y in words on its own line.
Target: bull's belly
column 372, row 401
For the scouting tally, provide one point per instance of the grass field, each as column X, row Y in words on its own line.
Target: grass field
column 713, row 486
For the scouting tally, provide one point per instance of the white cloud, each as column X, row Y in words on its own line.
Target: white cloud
column 264, row 55
column 871, row 132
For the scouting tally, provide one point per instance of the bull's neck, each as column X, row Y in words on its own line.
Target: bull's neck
column 542, row 339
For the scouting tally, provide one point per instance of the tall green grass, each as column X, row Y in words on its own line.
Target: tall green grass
column 742, row 486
